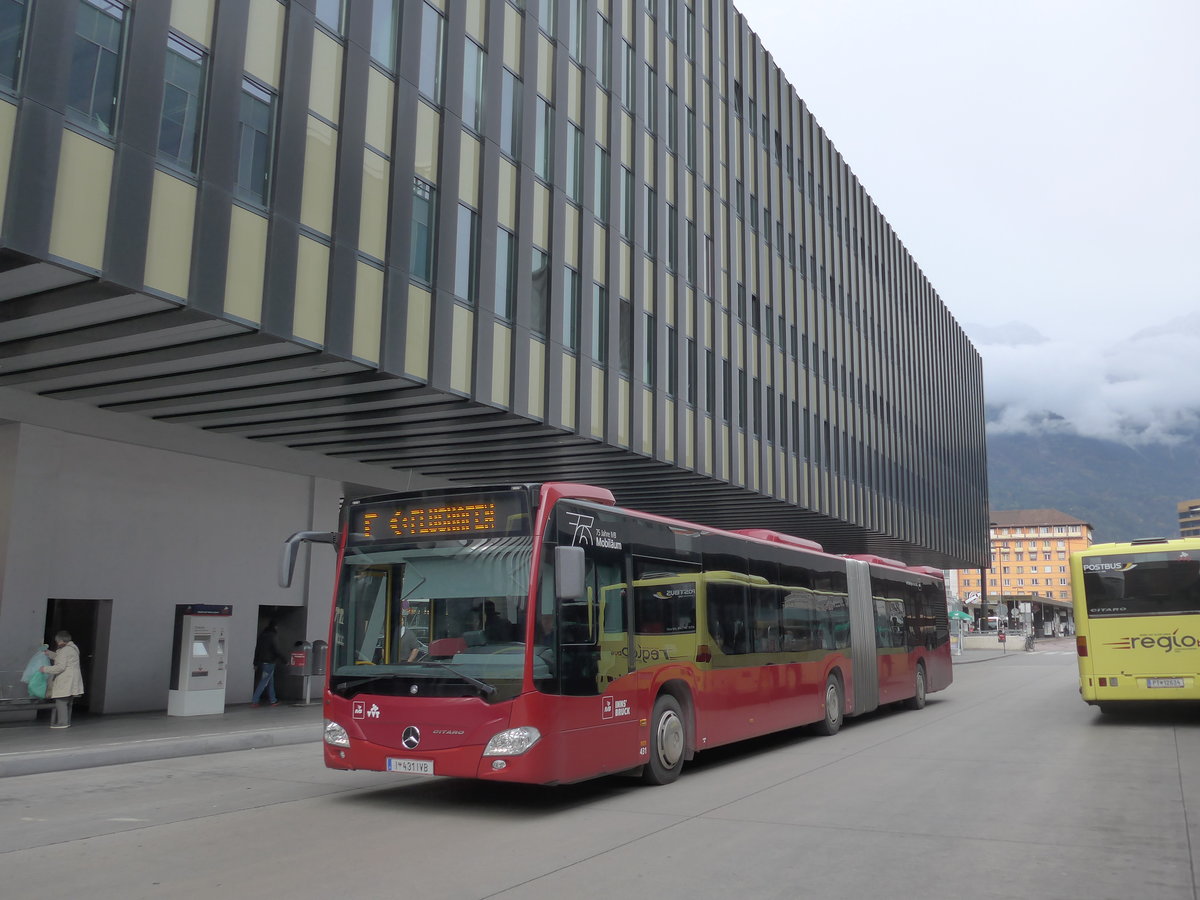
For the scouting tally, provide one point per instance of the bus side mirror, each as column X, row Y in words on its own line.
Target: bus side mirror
column 568, row 573
column 287, row 560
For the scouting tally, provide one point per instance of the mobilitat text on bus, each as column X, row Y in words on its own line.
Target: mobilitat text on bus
column 539, row 633
column 1137, row 618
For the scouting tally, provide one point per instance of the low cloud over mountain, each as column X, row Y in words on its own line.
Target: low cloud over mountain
column 1138, row 388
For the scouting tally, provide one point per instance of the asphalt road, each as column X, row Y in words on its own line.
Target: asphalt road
column 1004, row 786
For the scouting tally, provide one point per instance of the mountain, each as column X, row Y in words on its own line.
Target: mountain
column 1125, row 492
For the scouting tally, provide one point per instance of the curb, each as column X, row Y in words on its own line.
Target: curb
column 154, row 748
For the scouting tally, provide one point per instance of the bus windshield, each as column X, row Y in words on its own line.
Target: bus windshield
column 1141, row 585
column 444, row 609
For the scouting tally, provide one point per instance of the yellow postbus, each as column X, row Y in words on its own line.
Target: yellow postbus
column 1137, row 621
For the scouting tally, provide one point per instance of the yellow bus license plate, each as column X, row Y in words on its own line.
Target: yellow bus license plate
column 1164, row 682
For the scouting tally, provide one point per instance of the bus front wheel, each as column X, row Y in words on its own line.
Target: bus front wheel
column 917, row 700
column 833, row 707
column 667, row 742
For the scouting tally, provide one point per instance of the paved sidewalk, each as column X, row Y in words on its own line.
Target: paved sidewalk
column 31, row 747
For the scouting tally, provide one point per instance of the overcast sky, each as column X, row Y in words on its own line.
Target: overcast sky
column 1040, row 159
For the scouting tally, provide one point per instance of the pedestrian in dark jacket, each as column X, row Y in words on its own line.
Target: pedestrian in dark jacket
column 266, row 657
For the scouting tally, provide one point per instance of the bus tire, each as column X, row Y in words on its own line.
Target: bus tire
column 834, row 707
column 668, row 742
column 917, row 700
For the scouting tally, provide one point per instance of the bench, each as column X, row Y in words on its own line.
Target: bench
column 25, row 703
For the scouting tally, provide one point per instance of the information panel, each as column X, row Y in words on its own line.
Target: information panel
column 489, row 514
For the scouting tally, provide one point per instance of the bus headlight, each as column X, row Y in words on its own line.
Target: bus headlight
column 513, row 742
column 335, row 735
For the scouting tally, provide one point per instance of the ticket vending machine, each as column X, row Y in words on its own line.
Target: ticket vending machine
column 199, row 663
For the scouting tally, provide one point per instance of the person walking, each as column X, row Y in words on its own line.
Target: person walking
column 266, row 657
column 66, row 679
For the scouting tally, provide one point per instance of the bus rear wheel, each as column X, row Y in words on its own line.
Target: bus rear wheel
column 833, row 707
column 917, row 700
column 668, row 741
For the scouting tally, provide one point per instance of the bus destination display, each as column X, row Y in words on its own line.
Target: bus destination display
column 436, row 518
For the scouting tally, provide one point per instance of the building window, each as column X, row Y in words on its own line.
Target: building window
column 603, row 52
column 570, row 322
column 330, row 14
column 574, row 184
column 466, row 256
column 649, row 366
column 578, row 26
column 600, row 200
column 510, row 115
column 710, row 266
column 547, row 18
column 383, row 32
column 651, row 100
column 672, row 125
column 726, row 390
column 543, row 148
column 672, row 239
column 690, row 274
column 672, row 362
column 626, row 204
column 710, row 380
column 743, row 400
column 96, row 65
column 432, row 34
column 473, row 90
column 689, row 157
column 628, row 67
column 540, row 293
column 183, row 92
column 626, row 338
column 12, row 40
column 506, row 271
column 651, row 217
column 256, row 126
column 599, row 323
column 420, row 258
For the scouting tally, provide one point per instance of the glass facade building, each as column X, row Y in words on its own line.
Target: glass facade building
column 591, row 240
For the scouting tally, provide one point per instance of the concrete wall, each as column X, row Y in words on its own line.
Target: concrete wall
column 93, row 519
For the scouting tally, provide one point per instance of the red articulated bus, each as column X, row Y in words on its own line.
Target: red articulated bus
column 541, row 634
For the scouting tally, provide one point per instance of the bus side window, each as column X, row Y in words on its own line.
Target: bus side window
column 727, row 617
column 767, row 601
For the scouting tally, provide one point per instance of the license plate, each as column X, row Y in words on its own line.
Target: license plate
column 410, row 766
column 1164, row 682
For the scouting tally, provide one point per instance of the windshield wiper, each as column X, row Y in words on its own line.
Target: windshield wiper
column 482, row 685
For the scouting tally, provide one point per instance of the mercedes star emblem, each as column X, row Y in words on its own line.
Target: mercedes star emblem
column 411, row 737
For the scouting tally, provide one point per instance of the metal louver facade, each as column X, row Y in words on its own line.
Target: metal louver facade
column 596, row 240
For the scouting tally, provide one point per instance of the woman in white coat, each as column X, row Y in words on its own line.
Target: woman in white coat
column 66, row 682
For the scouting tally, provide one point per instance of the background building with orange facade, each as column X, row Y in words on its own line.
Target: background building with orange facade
column 1030, row 551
